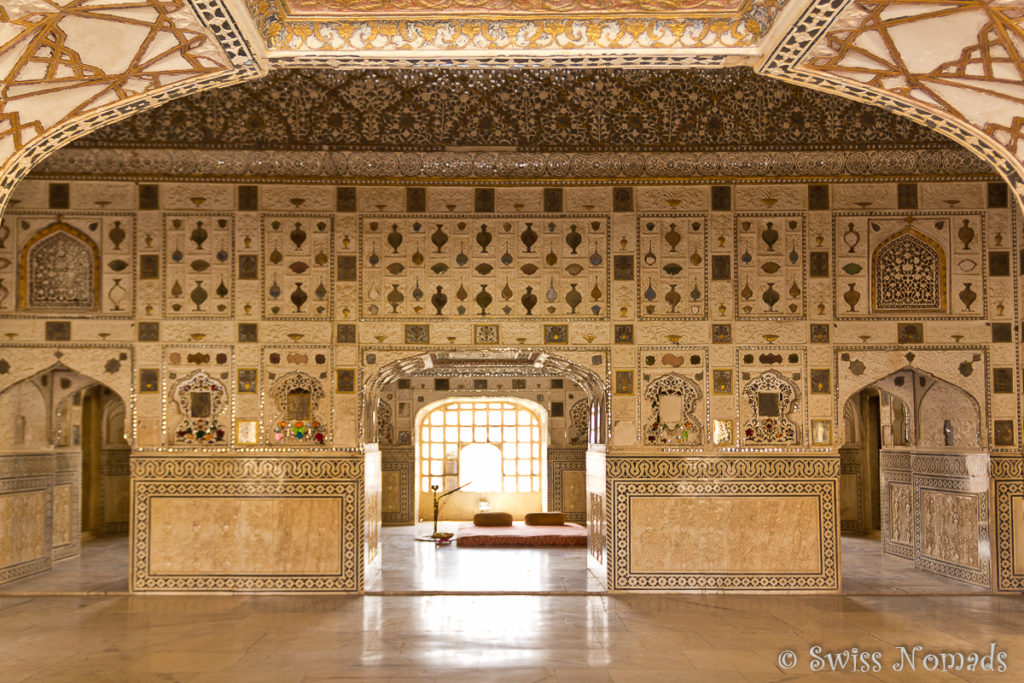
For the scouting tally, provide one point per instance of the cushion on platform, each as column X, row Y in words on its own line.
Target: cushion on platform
column 492, row 519
column 545, row 519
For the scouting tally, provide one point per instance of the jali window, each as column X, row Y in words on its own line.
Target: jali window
column 487, row 445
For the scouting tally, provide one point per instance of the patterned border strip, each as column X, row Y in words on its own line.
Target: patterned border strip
column 521, row 33
column 216, row 17
column 349, row 579
column 733, row 467
column 533, row 61
column 246, row 469
column 825, row 580
column 560, row 461
column 1006, row 578
column 783, row 62
column 403, row 461
column 230, row 165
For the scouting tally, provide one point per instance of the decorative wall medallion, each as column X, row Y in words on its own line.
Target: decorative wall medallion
column 247, row 382
column 721, row 432
column 910, row 333
column 62, row 264
column 149, row 380
column 201, row 399
column 417, row 334
column 556, row 334
column 297, row 397
column 721, row 381
column 1002, row 432
column 345, row 381
column 770, row 399
column 821, row 382
column 624, row 382
column 821, row 432
column 909, row 274
column 672, row 401
column 485, row 334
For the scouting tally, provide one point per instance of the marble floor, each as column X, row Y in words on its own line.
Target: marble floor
column 411, row 566
column 496, row 638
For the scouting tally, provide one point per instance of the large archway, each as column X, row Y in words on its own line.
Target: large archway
column 70, row 432
column 915, row 477
column 556, row 400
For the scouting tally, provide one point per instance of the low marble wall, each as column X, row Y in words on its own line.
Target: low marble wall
column 26, row 515
column 935, row 511
column 1008, row 531
column 597, row 513
column 744, row 523
column 271, row 524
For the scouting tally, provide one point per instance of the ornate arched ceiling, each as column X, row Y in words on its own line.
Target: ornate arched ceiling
column 70, row 66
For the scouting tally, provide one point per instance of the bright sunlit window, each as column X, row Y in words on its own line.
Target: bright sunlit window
column 490, row 445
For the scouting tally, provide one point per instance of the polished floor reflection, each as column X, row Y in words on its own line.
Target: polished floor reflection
column 408, row 565
column 489, row 638
column 102, row 568
column 866, row 569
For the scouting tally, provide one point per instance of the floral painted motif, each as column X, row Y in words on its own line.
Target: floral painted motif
column 298, row 397
column 201, row 399
column 664, row 429
column 771, row 400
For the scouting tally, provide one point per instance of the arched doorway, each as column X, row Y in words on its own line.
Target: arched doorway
column 914, row 484
column 524, row 429
column 68, row 431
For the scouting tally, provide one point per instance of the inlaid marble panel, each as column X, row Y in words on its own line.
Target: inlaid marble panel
column 706, row 535
column 244, row 536
column 24, row 517
column 949, row 527
column 63, row 515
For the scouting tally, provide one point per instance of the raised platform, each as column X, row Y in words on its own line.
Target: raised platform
column 471, row 536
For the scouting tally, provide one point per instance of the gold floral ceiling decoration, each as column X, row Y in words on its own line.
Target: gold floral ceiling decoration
column 70, row 66
column 410, row 27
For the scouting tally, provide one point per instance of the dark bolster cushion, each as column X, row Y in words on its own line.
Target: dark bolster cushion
column 545, row 519
column 492, row 519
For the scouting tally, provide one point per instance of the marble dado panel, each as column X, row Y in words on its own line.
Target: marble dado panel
column 270, row 524
column 398, row 486
column 512, row 266
column 26, row 515
column 713, row 500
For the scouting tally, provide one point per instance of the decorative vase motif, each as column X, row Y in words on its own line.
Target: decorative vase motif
column 199, row 235
column 528, row 237
column 117, row 294
column 177, row 255
column 673, row 297
column 439, row 238
column 649, row 258
column 438, row 300
column 968, row 295
column 222, row 254
column 461, row 293
column 851, row 238
column 199, row 295
column 649, row 293
column 275, row 290
column 222, row 289
column 573, row 239
column 506, row 258
column 552, row 258
column 373, row 259
column 483, row 238
column 573, row 297
column 672, row 237
column 770, row 235
column 746, row 292
column 552, row 294
column 529, row 300
column 321, row 291
column 462, row 259
column 395, row 297
column 483, row 299
column 395, row 238
column 966, row 234
column 417, row 293
column 299, row 297
column 596, row 292
column 793, row 255
column 506, row 292
column 794, row 291
column 596, row 259
column 851, row 297
column 117, row 235
column 276, row 256
column 770, row 296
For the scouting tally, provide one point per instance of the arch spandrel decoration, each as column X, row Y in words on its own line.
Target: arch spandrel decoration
column 493, row 362
column 60, row 269
column 201, row 400
column 684, row 429
column 771, row 400
column 298, row 398
column 908, row 273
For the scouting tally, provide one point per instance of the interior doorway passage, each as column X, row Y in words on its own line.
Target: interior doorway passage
column 492, row 450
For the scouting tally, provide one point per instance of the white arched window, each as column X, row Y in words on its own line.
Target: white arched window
column 488, row 445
